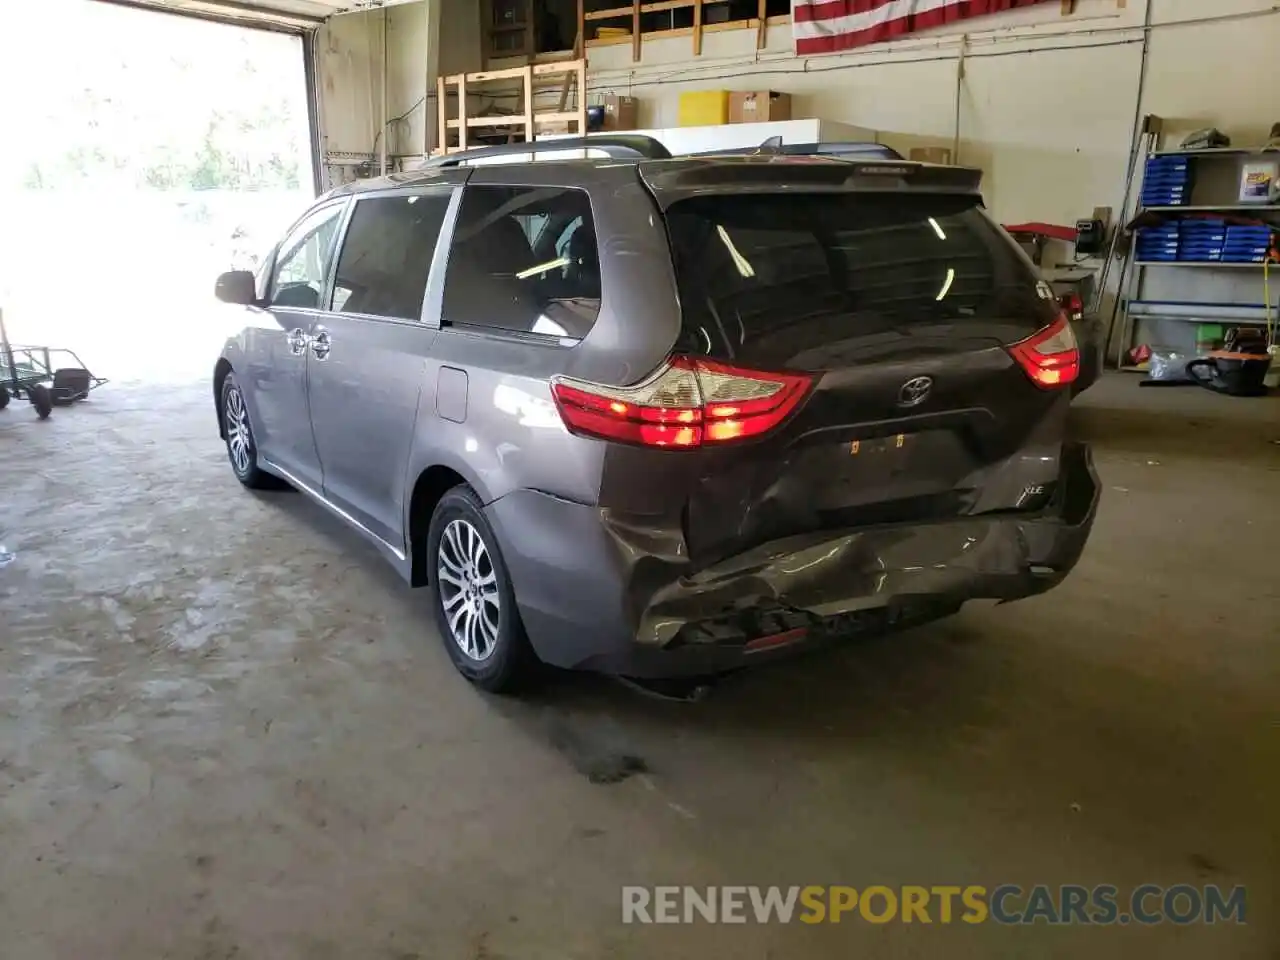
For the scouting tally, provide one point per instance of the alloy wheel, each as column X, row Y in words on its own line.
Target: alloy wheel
column 239, row 437
column 468, row 588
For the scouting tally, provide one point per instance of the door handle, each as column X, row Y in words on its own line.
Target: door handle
column 297, row 341
column 321, row 344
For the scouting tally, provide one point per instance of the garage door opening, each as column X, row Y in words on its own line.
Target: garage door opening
column 154, row 152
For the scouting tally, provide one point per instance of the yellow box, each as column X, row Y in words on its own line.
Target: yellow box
column 698, row 108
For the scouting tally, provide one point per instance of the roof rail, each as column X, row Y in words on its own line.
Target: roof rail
column 774, row 147
column 620, row 146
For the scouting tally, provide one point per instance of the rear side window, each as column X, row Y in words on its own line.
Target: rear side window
column 524, row 259
column 771, row 277
column 386, row 256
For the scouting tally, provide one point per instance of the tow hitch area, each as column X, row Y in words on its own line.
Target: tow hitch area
column 681, row 690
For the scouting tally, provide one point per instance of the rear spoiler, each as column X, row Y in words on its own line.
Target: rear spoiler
column 775, row 147
column 676, row 179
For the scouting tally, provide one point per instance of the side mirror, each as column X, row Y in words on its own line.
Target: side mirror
column 236, row 286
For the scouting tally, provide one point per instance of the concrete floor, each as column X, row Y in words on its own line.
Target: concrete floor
column 227, row 731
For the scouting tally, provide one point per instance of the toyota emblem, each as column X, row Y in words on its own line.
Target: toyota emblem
column 914, row 391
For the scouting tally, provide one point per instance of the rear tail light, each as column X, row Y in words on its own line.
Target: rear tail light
column 1050, row 356
column 688, row 402
column 1073, row 305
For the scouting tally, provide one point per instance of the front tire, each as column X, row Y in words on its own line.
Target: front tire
column 474, row 602
column 242, row 451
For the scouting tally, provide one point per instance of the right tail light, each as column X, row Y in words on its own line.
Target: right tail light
column 688, row 402
column 1049, row 356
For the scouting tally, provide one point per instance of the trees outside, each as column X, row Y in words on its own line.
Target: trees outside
column 144, row 154
column 138, row 100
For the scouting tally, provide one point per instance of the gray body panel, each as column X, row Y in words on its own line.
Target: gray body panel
column 612, row 549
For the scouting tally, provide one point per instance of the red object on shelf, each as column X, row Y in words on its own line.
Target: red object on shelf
column 1051, row 230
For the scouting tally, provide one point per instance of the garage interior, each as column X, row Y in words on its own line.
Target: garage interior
column 229, row 731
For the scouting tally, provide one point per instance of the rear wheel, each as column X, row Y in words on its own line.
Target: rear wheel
column 474, row 602
column 242, row 452
column 42, row 400
column 4, row 396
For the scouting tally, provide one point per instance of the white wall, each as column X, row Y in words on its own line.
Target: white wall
column 1047, row 103
column 422, row 40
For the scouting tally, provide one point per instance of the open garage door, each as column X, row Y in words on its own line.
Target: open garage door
column 291, row 15
column 161, row 151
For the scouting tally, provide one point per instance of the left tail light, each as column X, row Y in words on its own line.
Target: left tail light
column 1050, row 357
column 688, row 402
column 1073, row 304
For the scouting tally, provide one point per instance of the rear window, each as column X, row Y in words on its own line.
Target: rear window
column 773, row 276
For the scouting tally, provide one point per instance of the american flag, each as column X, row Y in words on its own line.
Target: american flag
column 829, row 26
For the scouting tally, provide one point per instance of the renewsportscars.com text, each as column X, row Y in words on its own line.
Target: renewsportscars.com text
column 1065, row 904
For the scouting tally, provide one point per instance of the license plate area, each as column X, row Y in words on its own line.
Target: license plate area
column 888, row 467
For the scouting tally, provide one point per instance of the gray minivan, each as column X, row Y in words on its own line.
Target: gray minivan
column 666, row 418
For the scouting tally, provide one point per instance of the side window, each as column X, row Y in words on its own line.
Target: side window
column 494, row 278
column 303, row 260
column 386, row 256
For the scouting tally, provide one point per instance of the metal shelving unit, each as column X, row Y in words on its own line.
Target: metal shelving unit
column 1217, row 295
column 1203, row 264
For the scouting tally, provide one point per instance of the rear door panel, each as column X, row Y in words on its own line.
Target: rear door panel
column 365, row 381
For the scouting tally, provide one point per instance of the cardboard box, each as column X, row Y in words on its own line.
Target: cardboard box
column 699, row 108
column 621, row 113
column 757, row 106
column 930, row 155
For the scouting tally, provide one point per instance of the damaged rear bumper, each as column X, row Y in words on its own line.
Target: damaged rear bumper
column 622, row 598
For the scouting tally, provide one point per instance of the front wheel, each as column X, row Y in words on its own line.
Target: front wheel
column 474, row 603
column 242, row 452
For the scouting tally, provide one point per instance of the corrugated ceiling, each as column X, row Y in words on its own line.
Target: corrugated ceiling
column 279, row 14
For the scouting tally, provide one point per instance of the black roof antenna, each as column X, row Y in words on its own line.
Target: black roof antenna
column 770, row 148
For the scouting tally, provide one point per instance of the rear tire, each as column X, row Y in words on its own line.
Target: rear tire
column 475, row 605
column 42, row 400
column 242, row 451
column 4, row 396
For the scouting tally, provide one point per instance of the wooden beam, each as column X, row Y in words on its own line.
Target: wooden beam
column 442, row 116
column 504, row 120
column 659, row 6
column 481, row 76
column 635, row 31
column 762, row 13
column 462, row 111
column 530, row 132
column 570, row 76
column 568, row 116
column 697, row 28
column 544, row 69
